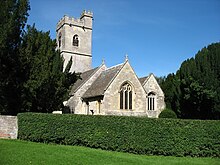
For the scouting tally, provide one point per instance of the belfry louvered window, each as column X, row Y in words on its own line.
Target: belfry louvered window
column 126, row 96
column 76, row 40
column 59, row 40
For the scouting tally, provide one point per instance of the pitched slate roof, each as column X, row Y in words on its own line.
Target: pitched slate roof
column 84, row 77
column 142, row 79
column 102, row 82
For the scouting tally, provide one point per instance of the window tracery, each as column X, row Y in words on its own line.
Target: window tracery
column 126, row 96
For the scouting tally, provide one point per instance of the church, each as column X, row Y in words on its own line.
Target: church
column 103, row 90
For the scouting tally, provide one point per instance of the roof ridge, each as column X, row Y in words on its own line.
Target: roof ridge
column 147, row 78
column 114, row 66
column 91, row 69
column 143, row 77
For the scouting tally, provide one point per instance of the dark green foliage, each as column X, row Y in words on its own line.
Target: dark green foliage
column 167, row 113
column 175, row 137
column 197, row 101
column 171, row 89
column 13, row 17
column 31, row 70
column 194, row 91
column 45, row 85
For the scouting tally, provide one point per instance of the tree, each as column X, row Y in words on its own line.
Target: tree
column 197, row 102
column 45, row 85
column 13, row 17
column 172, row 93
column 31, row 76
column 194, row 91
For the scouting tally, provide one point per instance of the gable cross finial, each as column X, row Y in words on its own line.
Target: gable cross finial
column 126, row 57
column 103, row 61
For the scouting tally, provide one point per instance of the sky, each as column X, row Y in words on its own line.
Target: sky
column 157, row 35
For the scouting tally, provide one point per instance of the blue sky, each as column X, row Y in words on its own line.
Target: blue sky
column 157, row 35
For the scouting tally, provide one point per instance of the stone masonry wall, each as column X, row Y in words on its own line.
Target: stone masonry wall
column 81, row 54
column 8, row 127
column 111, row 101
column 152, row 86
column 75, row 103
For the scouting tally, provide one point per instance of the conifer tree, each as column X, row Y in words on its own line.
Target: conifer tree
column 45, row 85
column 13, row 17
column 197, row 93
column 31, row 70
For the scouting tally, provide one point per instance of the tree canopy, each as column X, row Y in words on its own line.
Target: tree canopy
column 194, row 91
column 31, row 69
column 45, row 85
column 13, row 17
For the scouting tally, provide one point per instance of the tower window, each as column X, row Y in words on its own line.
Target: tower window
column 151, row 99
column 75, row 40
column 59, row 40
column 126, row 96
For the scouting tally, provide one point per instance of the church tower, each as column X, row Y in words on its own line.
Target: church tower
column 74, row 39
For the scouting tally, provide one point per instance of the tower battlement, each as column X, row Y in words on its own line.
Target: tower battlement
column 74, row 40
column 80, row 22
column 87, row 13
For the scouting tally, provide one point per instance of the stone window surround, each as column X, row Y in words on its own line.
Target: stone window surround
column 75, row 40
column 151, row 101
column 126, row 86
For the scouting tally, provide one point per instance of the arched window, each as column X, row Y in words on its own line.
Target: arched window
column 126, row 96
column 151, row 100
column 59, row 40
column 76, row 40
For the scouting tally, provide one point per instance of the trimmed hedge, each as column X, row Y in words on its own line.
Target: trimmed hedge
column 137, row 135
column 167, row 113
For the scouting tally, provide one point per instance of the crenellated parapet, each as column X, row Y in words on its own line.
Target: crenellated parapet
column 85, row 21
column 74, row 40
column 87, row 13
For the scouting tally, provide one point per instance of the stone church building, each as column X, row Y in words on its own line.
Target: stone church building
column 104, row 91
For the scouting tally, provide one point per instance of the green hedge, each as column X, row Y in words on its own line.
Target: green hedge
column 175, row 137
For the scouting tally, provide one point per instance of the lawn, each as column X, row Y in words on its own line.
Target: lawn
column 23, row 152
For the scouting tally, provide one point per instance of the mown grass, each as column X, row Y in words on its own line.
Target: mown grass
column 23, row 152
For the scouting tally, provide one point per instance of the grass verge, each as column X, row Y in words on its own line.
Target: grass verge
column 23, row 152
